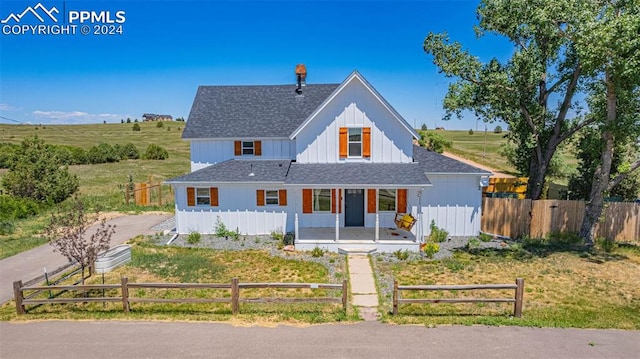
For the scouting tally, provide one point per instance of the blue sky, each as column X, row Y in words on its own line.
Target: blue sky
column 167, row 48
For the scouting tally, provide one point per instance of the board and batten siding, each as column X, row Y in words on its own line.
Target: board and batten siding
column 237, row 208
column 208, row 152
column 454, row 203
column 355, row 106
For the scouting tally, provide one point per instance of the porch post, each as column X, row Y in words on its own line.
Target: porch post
column 419, row 236
column 337, row 202
column 296, row 227
column 377, row 238
column 377, row 227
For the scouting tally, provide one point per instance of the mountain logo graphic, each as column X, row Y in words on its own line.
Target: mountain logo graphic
column 39, row 11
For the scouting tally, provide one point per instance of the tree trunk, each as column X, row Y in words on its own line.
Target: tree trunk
column 600, row 184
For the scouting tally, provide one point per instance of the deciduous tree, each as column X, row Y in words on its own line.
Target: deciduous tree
column 67, row 233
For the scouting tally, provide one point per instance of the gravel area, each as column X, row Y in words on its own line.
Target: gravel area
column 385, row 279
column 334, row 262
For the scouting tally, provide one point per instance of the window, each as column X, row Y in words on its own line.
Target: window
column 321, row 200
column 271, row 197
column 247, row 147
column 203, row 197
column 387, row 200
column 355, row 142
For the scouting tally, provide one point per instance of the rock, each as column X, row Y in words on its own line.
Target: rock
column 289, row 248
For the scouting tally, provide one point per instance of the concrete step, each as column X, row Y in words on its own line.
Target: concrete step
column 364, row 251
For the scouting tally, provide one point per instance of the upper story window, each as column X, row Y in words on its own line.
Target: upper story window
column 247, row 148
column 355, row 142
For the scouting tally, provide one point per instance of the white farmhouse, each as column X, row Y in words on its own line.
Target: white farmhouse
column 335, row 164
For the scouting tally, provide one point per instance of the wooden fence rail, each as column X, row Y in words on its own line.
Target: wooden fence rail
column 22, row 300
column 516, row 300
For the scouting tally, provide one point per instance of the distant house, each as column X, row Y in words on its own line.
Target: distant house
column 150, row 117
column 335, row 164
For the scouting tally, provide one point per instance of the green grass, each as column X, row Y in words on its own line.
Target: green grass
column 473, row 147
column 101, row 185
column 565, row 286
column 152, row 263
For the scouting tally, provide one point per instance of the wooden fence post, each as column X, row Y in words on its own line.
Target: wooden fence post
column 19, row 296
column 395, row 297
column 345, row 295
column 235, row 296
column 160, row 194
column 517, row 307
column 125, row 294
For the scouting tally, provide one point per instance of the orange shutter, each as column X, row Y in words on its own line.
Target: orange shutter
column 307, row 201
column 260, row 197
column 237, row 148
column 282, row 197
column 257, row 148
column 333, row 201
column 343, row 142
column 191, row 196
column 371, row 200
column 213, row 193
column 402, row 200
column 366, row 142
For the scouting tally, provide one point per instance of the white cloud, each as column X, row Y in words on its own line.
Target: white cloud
column 68, row 117
column 7, row 107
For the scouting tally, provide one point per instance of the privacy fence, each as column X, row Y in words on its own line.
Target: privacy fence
column 515, row 218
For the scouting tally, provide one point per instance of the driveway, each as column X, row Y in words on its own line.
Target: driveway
column 30, row 264
column 111, row 339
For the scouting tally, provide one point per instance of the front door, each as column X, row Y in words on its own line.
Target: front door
column 354, row 208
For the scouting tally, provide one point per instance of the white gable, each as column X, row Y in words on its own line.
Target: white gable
column 354, row 104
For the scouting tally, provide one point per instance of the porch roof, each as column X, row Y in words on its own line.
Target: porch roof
column 363, row 174
column 239, row 171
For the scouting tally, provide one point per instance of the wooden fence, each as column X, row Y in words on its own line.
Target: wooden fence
column 516, row 300
column 515, row 218
column 126, row 298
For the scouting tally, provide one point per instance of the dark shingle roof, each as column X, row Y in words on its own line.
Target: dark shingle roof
column 433, row 162
column 252, row 111
column 356, row 174
column 238, row 171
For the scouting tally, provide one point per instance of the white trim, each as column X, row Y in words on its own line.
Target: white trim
column 356, row 75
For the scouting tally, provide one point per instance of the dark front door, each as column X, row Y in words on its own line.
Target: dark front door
column 354, row 208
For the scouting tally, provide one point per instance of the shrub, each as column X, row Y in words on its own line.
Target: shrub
column 36, row 173
column 317, row 252
column 78, row 156
column 437, row 234
column 401, row 255
column 471, row 131
column 136, row 127
column 159, row 124
column 606, row 245
column 194, row 237
column 498, row 129
column 129, row 151
column 430, row 249
column 6, row 227
column 473, row 243
column 155, row 152
column 17, row 208
column 485, row 237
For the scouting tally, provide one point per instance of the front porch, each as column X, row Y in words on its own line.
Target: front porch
column 360, row 239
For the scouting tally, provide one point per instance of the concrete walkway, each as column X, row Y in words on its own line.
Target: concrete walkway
column 30, row 264
column 363, row 287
